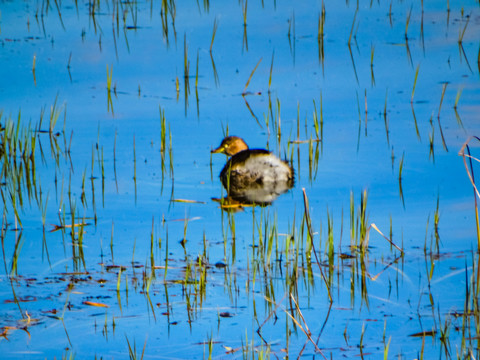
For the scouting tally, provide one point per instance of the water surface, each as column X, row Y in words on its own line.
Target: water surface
column 125, row 278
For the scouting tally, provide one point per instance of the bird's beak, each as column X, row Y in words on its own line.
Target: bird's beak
column 218, row 150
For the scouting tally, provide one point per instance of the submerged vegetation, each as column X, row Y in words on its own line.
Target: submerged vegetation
column 112, row 233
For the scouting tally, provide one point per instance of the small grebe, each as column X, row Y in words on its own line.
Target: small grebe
column 253, row 175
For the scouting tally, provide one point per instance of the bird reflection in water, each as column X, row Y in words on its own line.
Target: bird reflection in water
column 252, row 176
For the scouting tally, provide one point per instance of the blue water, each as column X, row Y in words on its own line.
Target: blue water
column 355, row 154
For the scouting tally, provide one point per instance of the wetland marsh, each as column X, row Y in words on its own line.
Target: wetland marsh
column 116, row 239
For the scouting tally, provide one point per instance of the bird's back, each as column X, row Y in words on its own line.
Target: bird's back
column 255, row 166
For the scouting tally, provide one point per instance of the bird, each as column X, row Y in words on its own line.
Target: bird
column 253, row 175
